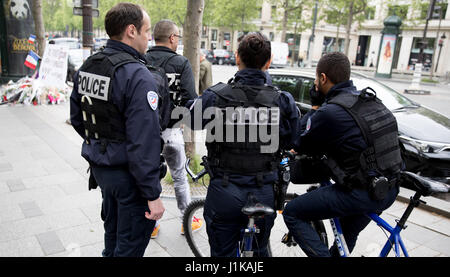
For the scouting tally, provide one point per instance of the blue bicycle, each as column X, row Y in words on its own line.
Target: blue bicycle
column 287, row 246
column 423, row 187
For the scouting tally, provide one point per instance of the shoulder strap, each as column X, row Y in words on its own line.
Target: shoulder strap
column 166, row 61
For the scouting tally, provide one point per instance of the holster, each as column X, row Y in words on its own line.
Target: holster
column 92, row 184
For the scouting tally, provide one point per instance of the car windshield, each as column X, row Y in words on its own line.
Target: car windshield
column 391, row 99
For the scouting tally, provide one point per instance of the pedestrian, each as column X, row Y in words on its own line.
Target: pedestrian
column 244, row 164
column 182, row 88
column 205, row 76
column 359, row 137
column 115, row 106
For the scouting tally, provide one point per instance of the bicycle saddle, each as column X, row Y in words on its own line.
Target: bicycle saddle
column 255, row 209
column 425, row 186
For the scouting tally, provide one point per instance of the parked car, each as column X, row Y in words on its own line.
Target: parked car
column 232, row 59
column 424, row 134
column 99, row 43
column 220, row 56
column 72, row 43
column 208, row 55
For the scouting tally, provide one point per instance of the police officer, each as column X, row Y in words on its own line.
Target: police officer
column 182, row 88
column 358, row 135
column 114, row 106
column 244, row 161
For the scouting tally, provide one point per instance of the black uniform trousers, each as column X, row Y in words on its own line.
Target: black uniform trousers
column 225, row 221
column 127, row 230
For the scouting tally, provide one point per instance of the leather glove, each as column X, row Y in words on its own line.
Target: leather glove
column 317, row 98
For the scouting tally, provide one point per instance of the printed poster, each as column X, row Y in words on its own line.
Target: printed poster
column 386, row 54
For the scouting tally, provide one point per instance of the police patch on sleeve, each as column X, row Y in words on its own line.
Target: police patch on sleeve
column 152, row 98
column 308, row 124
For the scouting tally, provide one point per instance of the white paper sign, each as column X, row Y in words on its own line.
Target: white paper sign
column 53, row 69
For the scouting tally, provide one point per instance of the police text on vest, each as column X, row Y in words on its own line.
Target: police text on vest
column 93, row 85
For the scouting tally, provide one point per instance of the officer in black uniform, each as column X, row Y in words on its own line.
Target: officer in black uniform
column 182, row 88
column 115, row 107
column 257, row 121
column 359, row 137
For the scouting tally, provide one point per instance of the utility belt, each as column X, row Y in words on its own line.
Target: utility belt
column 378, row 187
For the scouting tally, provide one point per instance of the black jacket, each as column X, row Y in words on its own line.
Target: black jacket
column 177, row 64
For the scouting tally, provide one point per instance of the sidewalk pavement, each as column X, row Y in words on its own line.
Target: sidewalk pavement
column 46, row 209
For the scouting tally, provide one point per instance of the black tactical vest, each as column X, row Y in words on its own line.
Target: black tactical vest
column 379, row 128
column 101, row 118
column 248, row 116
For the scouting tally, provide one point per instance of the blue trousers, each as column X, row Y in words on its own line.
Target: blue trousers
column 224, row 219
column 329, row 202
column 127, row 231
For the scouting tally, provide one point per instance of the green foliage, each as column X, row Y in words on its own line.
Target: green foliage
column 236, row 14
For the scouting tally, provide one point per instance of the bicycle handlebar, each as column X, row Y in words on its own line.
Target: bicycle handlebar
column 195, row 177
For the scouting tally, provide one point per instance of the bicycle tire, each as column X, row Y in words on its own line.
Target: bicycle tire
column 198, row 240
column 291, row 249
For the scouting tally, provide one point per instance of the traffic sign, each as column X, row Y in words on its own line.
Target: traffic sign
column 79, row 11
column 79, row 3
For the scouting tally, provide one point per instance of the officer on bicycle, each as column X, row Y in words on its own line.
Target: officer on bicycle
column 114, row 107
column 248, row 122
column 358, row 135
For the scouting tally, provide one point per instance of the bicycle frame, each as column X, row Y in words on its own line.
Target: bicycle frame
column 394, row 241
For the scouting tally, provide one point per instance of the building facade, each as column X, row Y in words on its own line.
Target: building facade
column 365, row 37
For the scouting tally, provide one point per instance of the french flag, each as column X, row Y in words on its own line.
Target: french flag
column 31, row 39
column 32, row 60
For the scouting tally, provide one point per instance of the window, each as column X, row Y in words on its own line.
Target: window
column 370, row 13
column 273, row 13
column 329, row 45
column 297, row 86
column 214, row 35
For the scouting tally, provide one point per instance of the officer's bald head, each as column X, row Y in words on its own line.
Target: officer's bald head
column 164, row 29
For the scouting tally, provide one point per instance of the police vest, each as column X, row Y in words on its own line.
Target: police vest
column 174, row 81
column 101, row 118
column 247, row 117
column 379, row 129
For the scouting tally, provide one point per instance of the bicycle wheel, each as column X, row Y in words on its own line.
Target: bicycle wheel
column 197, row 240
column 282, row 244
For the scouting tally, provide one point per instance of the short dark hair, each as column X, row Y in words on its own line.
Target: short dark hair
column 122, row 15
column 254, row 50
column 336, row 66
column 163, row 29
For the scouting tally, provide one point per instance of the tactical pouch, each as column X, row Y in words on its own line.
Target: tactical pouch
column 379, row 188
column 92, row 182
column 280, row 190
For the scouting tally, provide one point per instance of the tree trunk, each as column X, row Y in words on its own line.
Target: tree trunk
column 285, row 20
column 192, row 34
column 39, row 26
column 349, row 27
column 336, row 46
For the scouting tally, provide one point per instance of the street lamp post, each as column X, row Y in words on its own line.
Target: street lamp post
column 311, row 38
column 88, row 34
column 441, row 43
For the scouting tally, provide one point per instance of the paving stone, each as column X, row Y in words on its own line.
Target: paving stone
column 50, row 243
column 440, row 244
column 4, row 167
column 27, row 247
column 15, row 185
column 30, row 209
